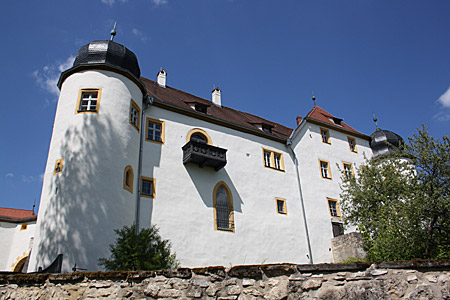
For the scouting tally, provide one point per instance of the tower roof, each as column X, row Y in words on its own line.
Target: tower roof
column 383, row 142
column 108, row 53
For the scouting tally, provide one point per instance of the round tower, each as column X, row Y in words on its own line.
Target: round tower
column 90, row 181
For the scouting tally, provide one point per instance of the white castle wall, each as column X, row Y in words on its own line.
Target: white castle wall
column 309, row 149
column 183, row 207
column 15, row 243
column 80, row 207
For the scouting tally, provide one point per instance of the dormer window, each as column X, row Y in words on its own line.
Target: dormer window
column 201, row 108
column 266, row 129
column 337, row 121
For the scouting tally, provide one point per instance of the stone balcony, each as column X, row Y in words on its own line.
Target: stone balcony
column 204, row 155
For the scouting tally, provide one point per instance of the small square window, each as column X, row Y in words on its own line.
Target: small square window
column 88, row 101
column 155, row 131
column 325, row 169
column 58, row 166
column 334, row 208
column 348, row 170
column 23, row 227
column 325, row 136
column 352, row 144
column 281, row 206
column 273, row 160
column 266, row 128
column 148, row 187
column 135, row 115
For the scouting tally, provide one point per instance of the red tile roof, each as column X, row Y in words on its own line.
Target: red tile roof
column 13, row 214
column 321, row 115
column 181, row 99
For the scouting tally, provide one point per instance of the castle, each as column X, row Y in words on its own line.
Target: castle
column 224, row 186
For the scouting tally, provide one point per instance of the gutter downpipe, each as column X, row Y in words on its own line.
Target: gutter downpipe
column 147, row 102
column 289, row 146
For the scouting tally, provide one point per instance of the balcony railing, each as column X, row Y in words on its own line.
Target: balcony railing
column 204, row 155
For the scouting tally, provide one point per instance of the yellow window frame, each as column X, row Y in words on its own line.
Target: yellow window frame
column 136, row 107
column 88, row 90
column 328, row 169
column 272, row 159
column 128, row 185
column 338, row 210
column 155, row 121
column 230, row 207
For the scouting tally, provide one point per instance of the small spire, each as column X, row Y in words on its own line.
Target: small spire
column 34, row 205
column 375, row 120
column 313, row 98
column 113, row 31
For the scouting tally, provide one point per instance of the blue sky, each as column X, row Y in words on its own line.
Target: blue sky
column 359, row 57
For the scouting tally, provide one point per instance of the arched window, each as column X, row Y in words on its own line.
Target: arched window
column 198, row 135
column 223, row 208
column 128, row 179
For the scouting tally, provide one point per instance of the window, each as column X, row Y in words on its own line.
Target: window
column 338, row 229
column 155, row 131
column 273, row 160
column 352, row 144
column 23, row 227
column 325, row 169
column 348, row 170
column 281, row 206
column 266, row 128
column 88, row 100
column 148, row 187
column 201, row 108
column 223, row 208
column 334, row 208
column 58, row 166
column 135, row 115
column 325, row 136
column 199, row 135
column 128, row 179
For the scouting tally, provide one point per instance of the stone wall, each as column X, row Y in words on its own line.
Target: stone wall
column 349, row 245
column 404, row 280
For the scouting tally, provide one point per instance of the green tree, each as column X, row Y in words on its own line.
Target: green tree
column 401, row 204
column 145, row 250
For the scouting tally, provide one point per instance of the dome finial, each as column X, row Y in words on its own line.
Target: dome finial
column 113, row 31
column 313, row 98
column 375, row 120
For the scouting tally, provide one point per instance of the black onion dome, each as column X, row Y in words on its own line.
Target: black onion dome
column 384, row 142
column 108, row 53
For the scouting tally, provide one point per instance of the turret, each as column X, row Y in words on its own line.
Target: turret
column 90, row 181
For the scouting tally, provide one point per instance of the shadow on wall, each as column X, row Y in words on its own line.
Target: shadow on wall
column 83, row 207
column 205, row 179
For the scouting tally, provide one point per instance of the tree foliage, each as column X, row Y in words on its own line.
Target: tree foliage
column 401, row 204
column 145, row 250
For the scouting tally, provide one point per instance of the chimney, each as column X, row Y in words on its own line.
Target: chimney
column 299, row 120
column 216, row 96
column 162, row 78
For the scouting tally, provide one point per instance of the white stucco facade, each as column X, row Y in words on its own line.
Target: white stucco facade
column 86, row 199
column 17, row 240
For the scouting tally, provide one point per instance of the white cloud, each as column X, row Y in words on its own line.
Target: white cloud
column 27, row 179
column 48, row 76
column 139, row 34
column 160, row 2
column 444, row 99
column 9, row 175
column 442, row 116
column 111, row 2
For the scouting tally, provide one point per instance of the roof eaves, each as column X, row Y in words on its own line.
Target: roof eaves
column 337, row 128
column 18, row 220
column 214, row 120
